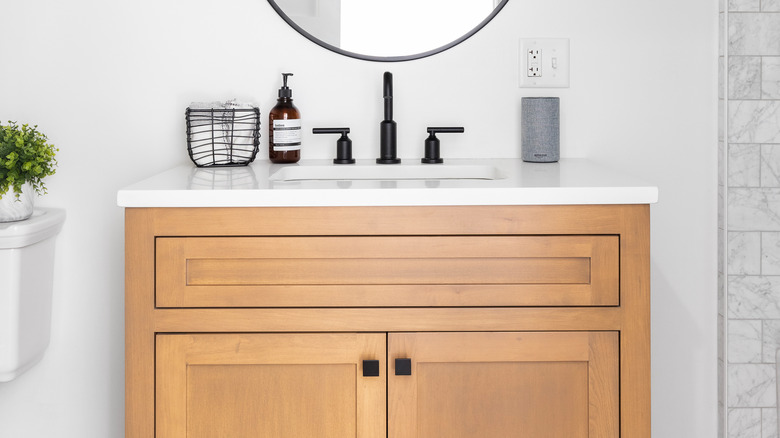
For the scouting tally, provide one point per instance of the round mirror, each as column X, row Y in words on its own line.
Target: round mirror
column 387, row 30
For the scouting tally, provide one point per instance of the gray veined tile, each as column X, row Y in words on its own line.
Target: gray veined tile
column 754, row 34
column 721, row 300
column 770, row 165
column 721, row 33
column 744, row 5
column 769, row 423
column 744, row 165
column 744, row 253
column 721, row 250
column 721, row 79
column 751, row 385
column 744, row 423
column 721, row 390
column 770, row 340
column 744, row 77
column 770, row 253
column 753, row 297
column 721, row 331
column 754, row 121
column 753, row 209
column 770, row 77
column 722, row 245
column 770, row 5
column 721, row 164
column 721, row 208
column 745, row 343
column 721, row 412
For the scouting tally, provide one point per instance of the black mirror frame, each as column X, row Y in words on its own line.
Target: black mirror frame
column 386, row 58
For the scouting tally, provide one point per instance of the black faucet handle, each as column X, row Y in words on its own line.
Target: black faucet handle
column 433, row 146
column 343, row 144
column 446, row 130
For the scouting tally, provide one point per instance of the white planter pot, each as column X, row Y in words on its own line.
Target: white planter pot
column 17, row 209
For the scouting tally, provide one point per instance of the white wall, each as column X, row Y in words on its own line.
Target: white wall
column 370, row 26
column 109, row 82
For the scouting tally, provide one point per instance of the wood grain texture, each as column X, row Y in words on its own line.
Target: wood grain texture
column 139, row 323
column 383, row 221
column 387, row 271
column 296, row 309
column 504, row 384
column 270, row 385
column 506, row 399
column 635, row 327
column 281, row 401
column 388, row 319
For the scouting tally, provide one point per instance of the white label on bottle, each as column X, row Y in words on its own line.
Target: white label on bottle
column 287, row 135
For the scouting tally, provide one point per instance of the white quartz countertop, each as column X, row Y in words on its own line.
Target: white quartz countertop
column 568, row 182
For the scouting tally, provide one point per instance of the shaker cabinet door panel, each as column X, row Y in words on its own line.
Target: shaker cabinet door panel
column 270, row 385
column 522, row 385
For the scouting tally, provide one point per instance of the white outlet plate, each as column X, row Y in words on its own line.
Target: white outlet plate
column 553, row 68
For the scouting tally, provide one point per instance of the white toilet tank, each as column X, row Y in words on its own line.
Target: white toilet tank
column 26, row 282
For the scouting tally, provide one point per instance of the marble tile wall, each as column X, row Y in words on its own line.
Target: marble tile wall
column 752, row 186
column 722, row 245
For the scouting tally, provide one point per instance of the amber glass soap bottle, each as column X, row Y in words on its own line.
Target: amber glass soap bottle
column 284, row 127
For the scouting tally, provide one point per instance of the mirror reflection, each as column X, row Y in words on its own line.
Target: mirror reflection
column 387, row 29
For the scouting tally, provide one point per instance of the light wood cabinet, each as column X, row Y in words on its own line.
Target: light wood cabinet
column 387, row 271
column 269, row 385
column 399, row 322
column 521, row 384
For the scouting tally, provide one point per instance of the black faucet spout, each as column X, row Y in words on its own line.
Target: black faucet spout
column 388, row 95
column 387, row 128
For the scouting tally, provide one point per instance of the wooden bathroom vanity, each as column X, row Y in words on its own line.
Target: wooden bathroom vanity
column 402, row 321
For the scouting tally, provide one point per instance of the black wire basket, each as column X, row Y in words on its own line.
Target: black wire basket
column 223, row 136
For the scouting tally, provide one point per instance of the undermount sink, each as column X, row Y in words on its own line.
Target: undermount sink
column 387, row 172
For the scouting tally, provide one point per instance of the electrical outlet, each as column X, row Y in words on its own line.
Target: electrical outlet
column 544, row 63
column 534, row 63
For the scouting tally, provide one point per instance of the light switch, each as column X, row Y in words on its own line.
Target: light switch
column 544, row 62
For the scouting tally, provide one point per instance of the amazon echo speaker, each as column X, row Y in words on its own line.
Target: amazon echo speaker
column 540, row 134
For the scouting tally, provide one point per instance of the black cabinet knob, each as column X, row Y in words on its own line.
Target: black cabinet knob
column 403, row 367
column 370, row 368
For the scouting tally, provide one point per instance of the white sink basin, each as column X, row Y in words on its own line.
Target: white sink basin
column 386, row 172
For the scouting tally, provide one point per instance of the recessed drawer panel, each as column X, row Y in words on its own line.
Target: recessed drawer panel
column 383, row 271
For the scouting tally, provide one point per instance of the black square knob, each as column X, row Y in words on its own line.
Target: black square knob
column 403, row 367
column 370, row 368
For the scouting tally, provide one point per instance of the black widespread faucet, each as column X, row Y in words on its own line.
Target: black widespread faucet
column 387, row 129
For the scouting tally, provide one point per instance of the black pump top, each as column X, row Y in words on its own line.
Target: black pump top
column 285, row 91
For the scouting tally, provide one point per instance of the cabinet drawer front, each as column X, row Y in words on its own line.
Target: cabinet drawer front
column 387, row 271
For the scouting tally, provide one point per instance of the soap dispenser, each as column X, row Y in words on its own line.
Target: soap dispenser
column 284, row 127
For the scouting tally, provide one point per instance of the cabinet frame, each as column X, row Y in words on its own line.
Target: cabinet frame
column 143, row 321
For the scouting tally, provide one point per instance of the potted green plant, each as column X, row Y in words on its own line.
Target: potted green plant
column 26, row 157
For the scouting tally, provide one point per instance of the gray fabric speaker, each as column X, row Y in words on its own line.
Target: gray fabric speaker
column 540, row 129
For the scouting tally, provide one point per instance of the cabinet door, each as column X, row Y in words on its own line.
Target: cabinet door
column 529, row 385
column 270, row 385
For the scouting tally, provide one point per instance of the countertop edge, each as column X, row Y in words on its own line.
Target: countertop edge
column 568, row 182
column 398, row 197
